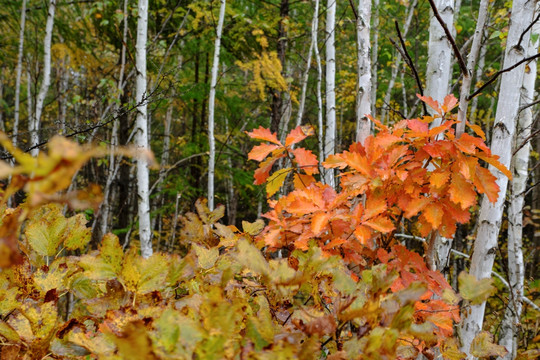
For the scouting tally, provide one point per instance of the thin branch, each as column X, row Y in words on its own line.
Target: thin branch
column 408, row 59
column 527, row 29
column 526, row 106
column 174, row 166
column 450, row 38
column 353, row 9
column 500, row 72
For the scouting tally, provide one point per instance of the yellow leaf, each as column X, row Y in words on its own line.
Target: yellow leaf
column 253, row 228
column 206, row 257
column 276, row 180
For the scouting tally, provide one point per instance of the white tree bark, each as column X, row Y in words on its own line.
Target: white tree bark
column 398, row 63
column 438, row 72
column 141, row 135
column 477, row 77
column 319, row 83
column 46, row 82
column 305, row 78
column 516, row 267
column 330, row 135
column 471, row 64
column 19, row 74
column 211, row 106
column 490, row 217
column 374, row 57
column 363, row 91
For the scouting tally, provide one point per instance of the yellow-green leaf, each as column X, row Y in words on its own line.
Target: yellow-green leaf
column 276, row 180
column 206, row 257
column 483, row 346
column 77, row 235
column 476, row 291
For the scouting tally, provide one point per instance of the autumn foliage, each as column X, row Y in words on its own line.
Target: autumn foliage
column 346, row 288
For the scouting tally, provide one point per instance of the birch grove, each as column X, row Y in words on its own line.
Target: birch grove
column 490, row 217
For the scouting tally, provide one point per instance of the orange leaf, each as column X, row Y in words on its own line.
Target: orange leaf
column 374, row 206
column 297, row 135
column 261, row 151
column 415, row 206
column 302, row 181
column 418, row 126
column 262, row 173
column 486, row 183
column 319, row 222
column 302, row 207
column 462, row 192
column 430, row 102
column 433, row 213
column 363, row 234
column 449, row 103
column 477, row 130
column 381, row 224
column 493, row 160
column 264, row 134
column 438, row 179
column 306, row 160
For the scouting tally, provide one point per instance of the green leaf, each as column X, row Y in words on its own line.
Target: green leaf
column 476, row 291
column 276, row 180
column 483, row 346
column 168, row 328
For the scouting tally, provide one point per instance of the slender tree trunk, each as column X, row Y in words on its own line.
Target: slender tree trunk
column 141, row 136
column 438, row 73
column 477, row 77
column 18, row 75
column 2, row 124
column 211, row 106
column 330, row 136
column 471, row 64
column 277, row 96
column 516, row 267
column 315, row 30
column 46, row 82
column 374, row 57
column 305, row 78
column 490, row 217
column 397, row 67
column 363, row 91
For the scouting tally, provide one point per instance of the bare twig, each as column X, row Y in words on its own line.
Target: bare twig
column 450, row 38
column 500, row 72
column 408, row 59
column 527, row 29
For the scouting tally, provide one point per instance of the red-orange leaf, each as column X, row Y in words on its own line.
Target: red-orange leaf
column 297, row 135
column 430, row 102
column 302, row 181
column 493, row 160
column 306, row 160
column 381, row 223
column 433, row 213
column 374, row 206
column 418, row 126
column 485, row 182
column 264, row 134
column 261, row 151
column 438, row 179
column 449, row 103
column 262, row 173
column 461, row 192
column 319, row 222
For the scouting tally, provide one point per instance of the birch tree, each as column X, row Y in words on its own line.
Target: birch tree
column 374, row 57
column 211, row 106
column 19, row 74
column 141, row 135
column 330, row 135
column 438, row 72
column 363, row 91
column 471, row 64
column 45, row 82
column 518, row 187
column 490, row 217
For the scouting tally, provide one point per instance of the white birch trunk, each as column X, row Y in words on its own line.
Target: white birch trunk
column 330, row 135
column 477, row 78
column 490, row 217
column 471, row 64
column 398, row 63
column 19, row 74
column 141, row 136
column 305, row 77
column 516, row 267
column 211, row 106
column 438, row 72
column 374, row 58
column 46, row 82
column 319, row 82
column 363, row 91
